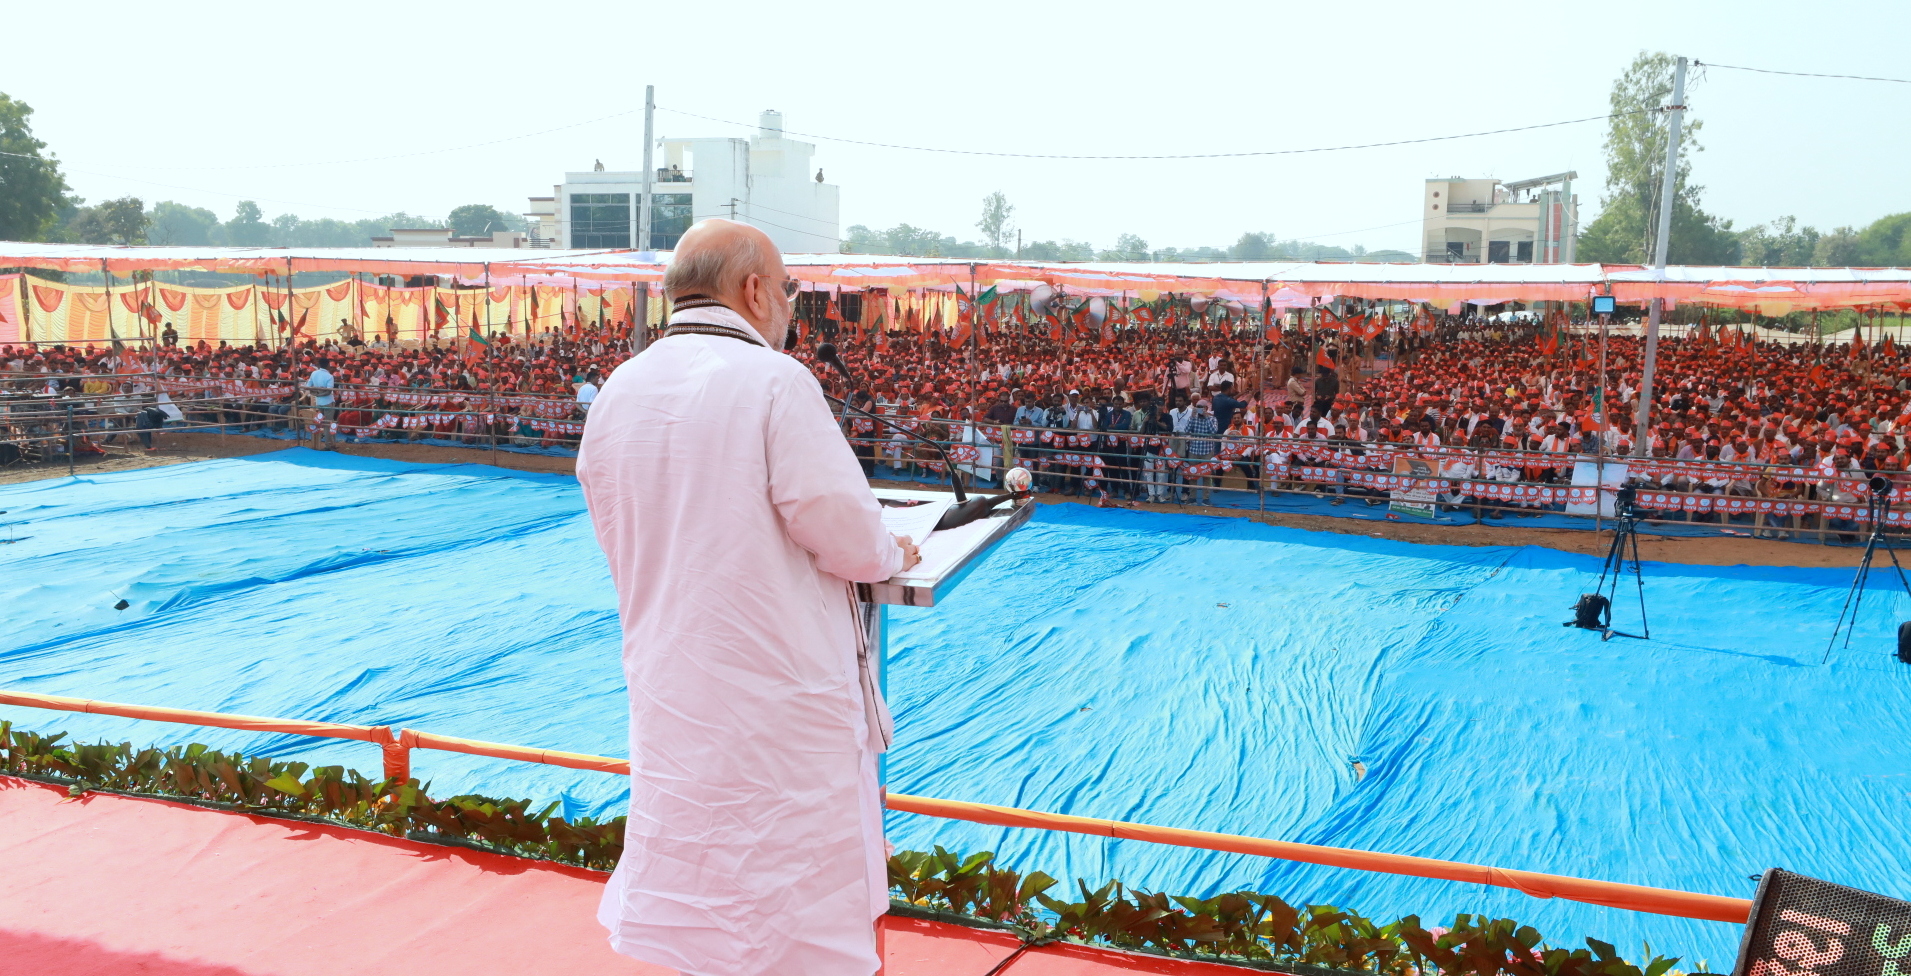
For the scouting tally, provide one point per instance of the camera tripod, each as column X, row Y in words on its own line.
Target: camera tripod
column 1594, row 610
column 1877, row 507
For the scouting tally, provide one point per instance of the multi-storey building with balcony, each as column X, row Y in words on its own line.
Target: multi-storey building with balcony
column 1488, row 222
column 764, row 180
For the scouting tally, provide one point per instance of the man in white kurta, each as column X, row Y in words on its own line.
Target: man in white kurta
column 735, row 518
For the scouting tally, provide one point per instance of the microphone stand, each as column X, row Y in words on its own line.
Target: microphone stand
column 826, row 352
column 966, row 509
column 955, row 480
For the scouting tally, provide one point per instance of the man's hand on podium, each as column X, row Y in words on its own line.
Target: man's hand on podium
column 910, row 557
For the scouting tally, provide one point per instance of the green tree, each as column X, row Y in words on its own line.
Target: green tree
column 1783, row 244
column 478, row 220
column 1697, row 237
column 246, row 228
column 1885, row 244
column 121, row 221
column 32, row 191
column 859, row 239
column 1838, row 249
column 905, row 240
column 327, row 232
column 1128, row 247
column 1253, row 246
column 996, row 224
column 1635, row 176
column 911, row 241
column 285, row 231
column 1298, row 250
column 1062, row 250
column 176, row 223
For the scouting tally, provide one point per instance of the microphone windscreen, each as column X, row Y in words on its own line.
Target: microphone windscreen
column 826, row 352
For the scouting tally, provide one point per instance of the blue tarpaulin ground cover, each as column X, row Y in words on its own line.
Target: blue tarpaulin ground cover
column 1209, row 673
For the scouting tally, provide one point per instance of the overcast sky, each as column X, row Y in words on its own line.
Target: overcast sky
column 286, row 105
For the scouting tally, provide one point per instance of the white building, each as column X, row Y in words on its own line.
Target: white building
column 1488, row 222
column 766, row 180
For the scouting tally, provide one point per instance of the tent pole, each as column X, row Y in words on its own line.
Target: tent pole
column 291, row 336
column 1260, row 350
column 975, row 312
column 106, row 282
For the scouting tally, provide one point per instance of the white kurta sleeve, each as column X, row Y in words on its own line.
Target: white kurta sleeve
column 819, row 490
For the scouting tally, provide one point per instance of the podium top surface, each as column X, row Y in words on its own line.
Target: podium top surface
column 947, row 555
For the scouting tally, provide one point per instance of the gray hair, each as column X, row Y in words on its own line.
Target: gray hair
column 714, row 267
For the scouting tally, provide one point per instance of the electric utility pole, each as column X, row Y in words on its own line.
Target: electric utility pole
column 650, row 172
column 1641, row 440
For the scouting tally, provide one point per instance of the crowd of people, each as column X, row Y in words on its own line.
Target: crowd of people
column 1155, row 415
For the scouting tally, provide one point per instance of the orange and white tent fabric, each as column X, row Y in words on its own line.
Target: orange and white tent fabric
column 570, row 284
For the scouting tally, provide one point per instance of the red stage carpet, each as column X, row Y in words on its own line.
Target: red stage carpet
column 107, row 885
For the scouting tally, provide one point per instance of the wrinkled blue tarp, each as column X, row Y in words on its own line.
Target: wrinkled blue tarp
column 1196, row 672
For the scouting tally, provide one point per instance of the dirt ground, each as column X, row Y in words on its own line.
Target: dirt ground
column 178, row 448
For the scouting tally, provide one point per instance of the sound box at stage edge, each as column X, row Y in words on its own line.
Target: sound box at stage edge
column 1802, row 926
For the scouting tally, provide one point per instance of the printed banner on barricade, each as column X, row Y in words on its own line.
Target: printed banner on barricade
column 1412, row 490
column 1591, row 475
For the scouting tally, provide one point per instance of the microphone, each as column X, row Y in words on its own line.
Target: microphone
column 826, row 353
column 982, row 506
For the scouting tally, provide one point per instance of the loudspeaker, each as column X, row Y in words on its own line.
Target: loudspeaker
column 1587, row 612
column 1840, row 931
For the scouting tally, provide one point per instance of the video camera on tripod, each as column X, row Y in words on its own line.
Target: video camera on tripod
column 1878, row 510
column 1594, row 610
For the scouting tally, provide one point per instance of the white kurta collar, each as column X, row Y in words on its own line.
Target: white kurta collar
column 719, row 317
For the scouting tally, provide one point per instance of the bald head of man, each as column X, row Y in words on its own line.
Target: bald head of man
column 737, row 265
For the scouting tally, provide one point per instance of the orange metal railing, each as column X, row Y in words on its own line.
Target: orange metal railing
column 397, row 746
column 1638, row 898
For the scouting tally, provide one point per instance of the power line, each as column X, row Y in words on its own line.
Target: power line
column 1226, row 155
column 752, row 218
column 758, row 206
column 196, row 189
column 1798, row 74
column 422, row 152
